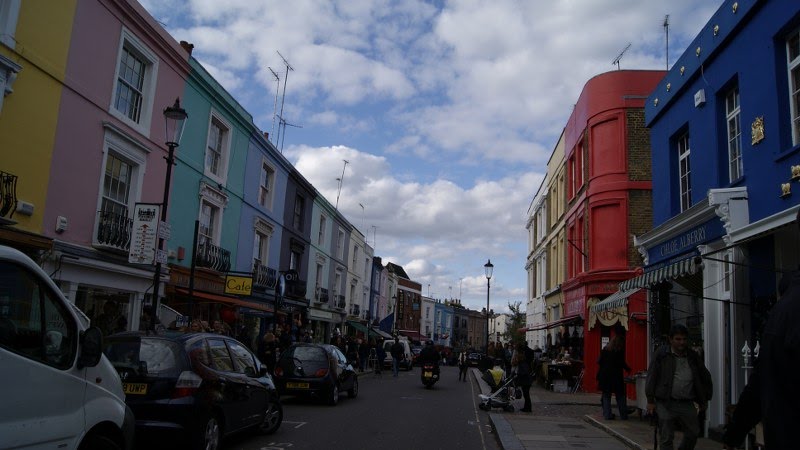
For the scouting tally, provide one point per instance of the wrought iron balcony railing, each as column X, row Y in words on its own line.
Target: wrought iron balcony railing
column 114, row 230
column 264, row 277
column 322, row 295
column 296, row 288
column 212, row 257
column 8, row 194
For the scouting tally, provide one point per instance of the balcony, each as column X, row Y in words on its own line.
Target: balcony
column 8, row 195
column 212, row 257
column 321, row 295
column 114, row 230
column 296, row 288
column 264, row 277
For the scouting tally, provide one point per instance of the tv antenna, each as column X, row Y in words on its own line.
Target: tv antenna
column 666, row 30
column 615, row 61
column 341, row 180
column 283, row 98
column 275, row 105
column 283, row 123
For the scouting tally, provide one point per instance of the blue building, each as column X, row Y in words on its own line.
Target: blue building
column 725, row 139
column 443, row 324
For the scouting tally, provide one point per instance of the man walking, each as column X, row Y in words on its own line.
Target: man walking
column 678, row 386
column 397, row 354
column 462, row 366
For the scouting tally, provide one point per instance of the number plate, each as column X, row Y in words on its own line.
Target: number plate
column 428, row 374
column 134, row 388
column 296, row 385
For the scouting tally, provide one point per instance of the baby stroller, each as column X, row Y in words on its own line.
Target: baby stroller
column 503, row 392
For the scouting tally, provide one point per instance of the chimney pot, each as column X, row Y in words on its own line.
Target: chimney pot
column 187, row 46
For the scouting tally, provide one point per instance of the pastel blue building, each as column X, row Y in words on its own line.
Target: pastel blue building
column 443, row 324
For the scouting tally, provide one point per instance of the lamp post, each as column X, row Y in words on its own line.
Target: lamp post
column 488, row 268
column 175, row 118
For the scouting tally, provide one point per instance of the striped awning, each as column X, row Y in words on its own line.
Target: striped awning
column 613, row 301
column 678, row 269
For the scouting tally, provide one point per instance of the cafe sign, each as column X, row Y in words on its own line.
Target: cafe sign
column 237, row 285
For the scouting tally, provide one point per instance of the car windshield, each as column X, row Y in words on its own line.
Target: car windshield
column 146, row 356
column 304, row 353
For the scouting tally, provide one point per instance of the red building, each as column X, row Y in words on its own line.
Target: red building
column 607, row 157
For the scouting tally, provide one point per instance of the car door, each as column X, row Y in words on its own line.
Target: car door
column 42, row 392
column 232, row 391
column 254, row 402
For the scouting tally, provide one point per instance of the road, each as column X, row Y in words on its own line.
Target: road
column 389, row 413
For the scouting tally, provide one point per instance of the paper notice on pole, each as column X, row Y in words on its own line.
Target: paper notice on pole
column 144, row 234
column 164, row 230
column 161, row 256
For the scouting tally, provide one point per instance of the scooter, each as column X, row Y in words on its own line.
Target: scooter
column 430, row 374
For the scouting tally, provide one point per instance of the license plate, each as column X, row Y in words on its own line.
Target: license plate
column 134, row 388
column 297, row 385
column 428, row 374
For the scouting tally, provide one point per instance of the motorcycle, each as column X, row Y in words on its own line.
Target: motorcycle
column 430, row 374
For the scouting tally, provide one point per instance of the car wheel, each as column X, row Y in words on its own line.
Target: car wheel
column 272, row 418
column 353, row 391
column 211, row 435
column 98, row 442
column 333, row 396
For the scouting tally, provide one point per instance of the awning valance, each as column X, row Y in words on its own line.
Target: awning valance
column 678, row 269
column 613, row 301
column 555, row 323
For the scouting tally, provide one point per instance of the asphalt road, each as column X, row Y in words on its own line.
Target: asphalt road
column 389, row 413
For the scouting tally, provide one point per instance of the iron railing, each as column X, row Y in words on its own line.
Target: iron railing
column 264, row 277
column 8, row 194
column 114, row 230
column 212, row 257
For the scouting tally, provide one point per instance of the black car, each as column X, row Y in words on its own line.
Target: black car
column 193, row 388
column 318, row 370
column 474, row 359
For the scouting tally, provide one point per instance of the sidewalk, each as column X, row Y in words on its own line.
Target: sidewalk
column 531, row 431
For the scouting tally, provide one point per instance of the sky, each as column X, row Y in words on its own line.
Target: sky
column 445, row 111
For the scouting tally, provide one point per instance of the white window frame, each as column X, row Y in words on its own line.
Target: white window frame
column 684, row 171
column 215, row 198
column 266, row 190
column 340, row 245
column 9, row 14
column 222, row 167
column 733, row 118
column 355, row 258
column 323, row 222
column 262, row 231
column 793, row 69
column 134, row 45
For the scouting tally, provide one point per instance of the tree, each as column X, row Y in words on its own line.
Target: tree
column 517, row 321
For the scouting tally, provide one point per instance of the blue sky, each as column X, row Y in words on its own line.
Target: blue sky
column 447, row 111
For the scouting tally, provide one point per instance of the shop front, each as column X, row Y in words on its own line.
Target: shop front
column 323, row 323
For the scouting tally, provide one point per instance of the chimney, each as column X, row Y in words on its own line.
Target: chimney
column 266, row 135
column 187, row 46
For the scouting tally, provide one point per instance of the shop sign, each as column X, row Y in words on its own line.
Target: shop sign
column 144, row 233
column 238, row 285
column 686, row 241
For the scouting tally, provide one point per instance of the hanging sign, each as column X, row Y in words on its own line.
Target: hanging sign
column 144, row 233
column 238, row 285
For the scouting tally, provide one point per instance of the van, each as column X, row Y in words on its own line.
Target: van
column 58, row 389
column 407, row 361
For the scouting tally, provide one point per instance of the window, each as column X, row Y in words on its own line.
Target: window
column 116, row 186
column 220, row 357
column 355, row 257
column 299, row 207
column 732, row 116
column 217, row 148
column 9, row 11
column 340, row 245
column 266, row 185
column 134, row 85
column 294, row 260
column 245, row 363
column 322, row 224
column 209, row 223
column 320, row 268
column 684, row 172
column 260, row 248
column 33, row 322
column 366, row 268
column 212, row 202
column 793, row 61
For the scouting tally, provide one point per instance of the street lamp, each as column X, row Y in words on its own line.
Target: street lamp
column 175, row 118
column 488, row 267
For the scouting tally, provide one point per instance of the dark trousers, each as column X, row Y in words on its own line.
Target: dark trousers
column 462, row 372
column 674, row 412
column 622, row 403
column 526, row 394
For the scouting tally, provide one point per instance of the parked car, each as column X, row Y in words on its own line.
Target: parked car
column 474, row 359
column 406, row 362
column 193, row 387
column 58, row 389
column 318, row 370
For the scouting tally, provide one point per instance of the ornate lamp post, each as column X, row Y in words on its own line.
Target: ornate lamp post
column 175, row 118
column 488, row 268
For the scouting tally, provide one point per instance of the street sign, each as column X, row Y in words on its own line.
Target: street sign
column 164, row 230
column 144, row 235
column 238, row 285
column 161, row 256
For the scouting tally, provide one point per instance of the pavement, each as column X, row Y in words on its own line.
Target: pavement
column 542, row 429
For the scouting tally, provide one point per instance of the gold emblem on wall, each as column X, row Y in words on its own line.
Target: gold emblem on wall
column 795, row 173
column 757, row 130
column 786, row 189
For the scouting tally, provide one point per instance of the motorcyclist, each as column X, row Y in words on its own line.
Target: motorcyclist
column 429, row 355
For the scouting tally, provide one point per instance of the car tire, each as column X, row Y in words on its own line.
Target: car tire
column 333, row 395
column 272, row 418
column 210, row 434
column 353, row 391
column 99, row 442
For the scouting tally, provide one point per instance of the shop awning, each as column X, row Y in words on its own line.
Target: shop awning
column 413, row 335
column 613, row 301
column 678, row 269
column 381, row 333
column 358, row 326
column 205, row 297
column 556, row 323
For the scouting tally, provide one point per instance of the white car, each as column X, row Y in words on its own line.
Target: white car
column 406, row 362
column 58, row 390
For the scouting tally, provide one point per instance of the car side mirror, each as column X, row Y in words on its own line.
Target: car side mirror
column 91, row 348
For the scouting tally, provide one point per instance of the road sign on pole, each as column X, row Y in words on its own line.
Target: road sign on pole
column 144, row 233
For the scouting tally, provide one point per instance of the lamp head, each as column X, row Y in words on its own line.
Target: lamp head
column 175, row 118
column 488, row 268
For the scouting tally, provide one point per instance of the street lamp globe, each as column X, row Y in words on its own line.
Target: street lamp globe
column 175, row 119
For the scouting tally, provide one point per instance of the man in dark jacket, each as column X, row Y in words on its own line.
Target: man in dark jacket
column 677, row 380
column 397, row 351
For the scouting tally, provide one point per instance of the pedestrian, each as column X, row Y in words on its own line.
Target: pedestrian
column 380, row 356
column 609, row 377
column 678, row 387
column 462, row 365
column 269, row 351
column 363, row 354
column 522, row 362
column 397, row 354
column 772, row 395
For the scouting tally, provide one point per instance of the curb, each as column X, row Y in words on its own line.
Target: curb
column 506, row 437
column 620, row 437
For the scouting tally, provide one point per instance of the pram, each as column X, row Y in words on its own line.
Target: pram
column 502, row 393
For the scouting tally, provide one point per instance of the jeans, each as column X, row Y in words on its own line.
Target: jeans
column 462, row 372
column 622, row 403
column 672, row 412
column 395, row 366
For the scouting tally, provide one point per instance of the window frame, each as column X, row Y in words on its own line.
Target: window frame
column 225, row 141
column 733, row 127
column 298, row 212
column 793, row 73
column 134, row 45
column 323, row 222
column 266, row 192
column 684, row 150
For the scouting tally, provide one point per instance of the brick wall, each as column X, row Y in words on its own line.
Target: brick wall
column 640, row 206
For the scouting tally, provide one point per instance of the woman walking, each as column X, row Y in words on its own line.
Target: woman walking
column 609, row 377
